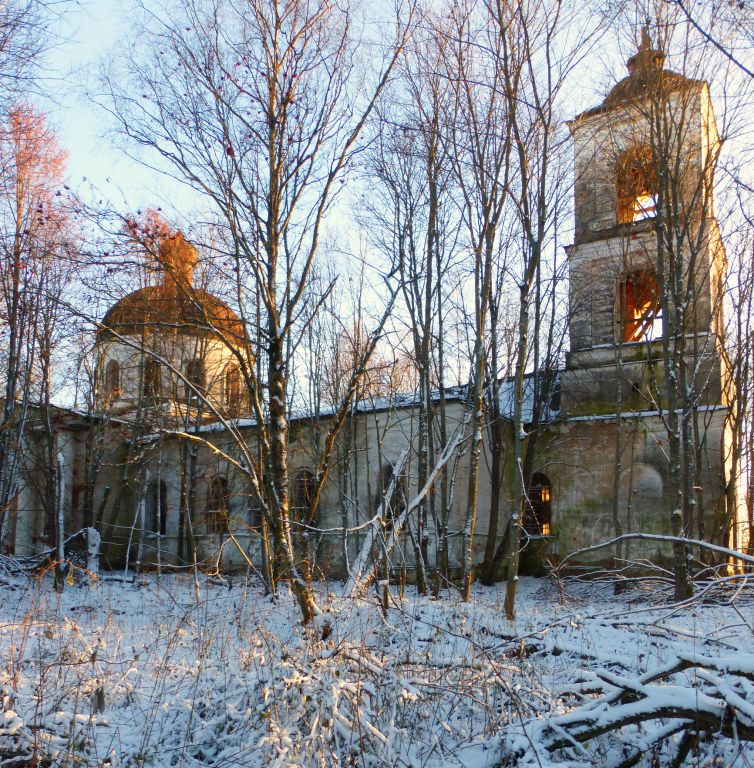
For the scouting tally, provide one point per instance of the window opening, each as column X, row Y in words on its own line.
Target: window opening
column 151, row 378
column 195, row 376
column 555, row 396
column 232, row 387
column 216, row 516
column 302, row 494
column 538, row 517
column 644, row 207
column 639, row 305
column 112, row 380
column 255, row 513
column 394, row 505
column 157, row 507
column 636, row 181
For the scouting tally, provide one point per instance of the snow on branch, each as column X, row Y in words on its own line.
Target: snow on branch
column 731, row 553
column 711, row 697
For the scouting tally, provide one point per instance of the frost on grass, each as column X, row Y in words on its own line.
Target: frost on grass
column 128, row 675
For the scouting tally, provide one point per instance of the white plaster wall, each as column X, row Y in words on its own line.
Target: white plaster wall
column 177, row 351
column 29, row 513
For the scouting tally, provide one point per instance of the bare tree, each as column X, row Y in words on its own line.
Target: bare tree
column 533, row 54
column 51, row 325
column 690, row 263
column 24, row 37
column 729, row 27
column 254, row 106
column 737, row 347
column 32, row 168
column 417, row 225
column 481, row 146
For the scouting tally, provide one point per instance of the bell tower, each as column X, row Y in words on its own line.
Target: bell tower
column 644, row 161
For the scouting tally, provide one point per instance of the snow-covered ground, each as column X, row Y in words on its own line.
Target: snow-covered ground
column 159, row 674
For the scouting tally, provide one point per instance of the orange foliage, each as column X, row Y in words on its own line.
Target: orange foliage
column 33, row 165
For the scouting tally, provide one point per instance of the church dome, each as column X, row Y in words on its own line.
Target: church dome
column 164, row 307
column 174, row 304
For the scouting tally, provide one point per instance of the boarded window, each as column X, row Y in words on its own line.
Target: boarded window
column 232, row 387
column 636, row 185
column 112, row 380
column 538, row 518
column 157, row 507
column 150, row 381
column 639, row 306
column 216, row 516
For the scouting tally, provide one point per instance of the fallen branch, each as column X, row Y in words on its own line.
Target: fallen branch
column 358, row 581
column 731, row 553
column 718, row 702
column 81, row 549
column 362, row 563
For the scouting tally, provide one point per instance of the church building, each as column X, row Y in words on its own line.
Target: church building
column 645, row 369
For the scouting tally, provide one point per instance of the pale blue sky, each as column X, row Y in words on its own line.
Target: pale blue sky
column 89, row 29
column 86, row 33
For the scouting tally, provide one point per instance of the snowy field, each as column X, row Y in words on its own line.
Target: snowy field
column 159, row 674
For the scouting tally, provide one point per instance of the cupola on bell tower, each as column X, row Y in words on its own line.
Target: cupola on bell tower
column 646, row 242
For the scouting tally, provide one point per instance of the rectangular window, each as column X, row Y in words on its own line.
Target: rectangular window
column 639, row 307
column 112, row 381
column 216, row 515
column 151, row 380
column 232, row 388
column 195, row 378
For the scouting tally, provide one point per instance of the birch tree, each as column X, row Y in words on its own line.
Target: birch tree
column 32, row 168
column 417, row 228
column 539, row 44
column 257, row 107
column 481, row 144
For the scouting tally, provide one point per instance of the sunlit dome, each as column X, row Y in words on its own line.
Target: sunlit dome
column 174, row 304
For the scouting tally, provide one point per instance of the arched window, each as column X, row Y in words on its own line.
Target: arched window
column 217, row 505
column 150, row 378
column 232, row 388
column 302, row 491
column 157, row 507
column 195, row 377
column 636, row 185
column 112, row 380
column 639, row 306
column 538, row 518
